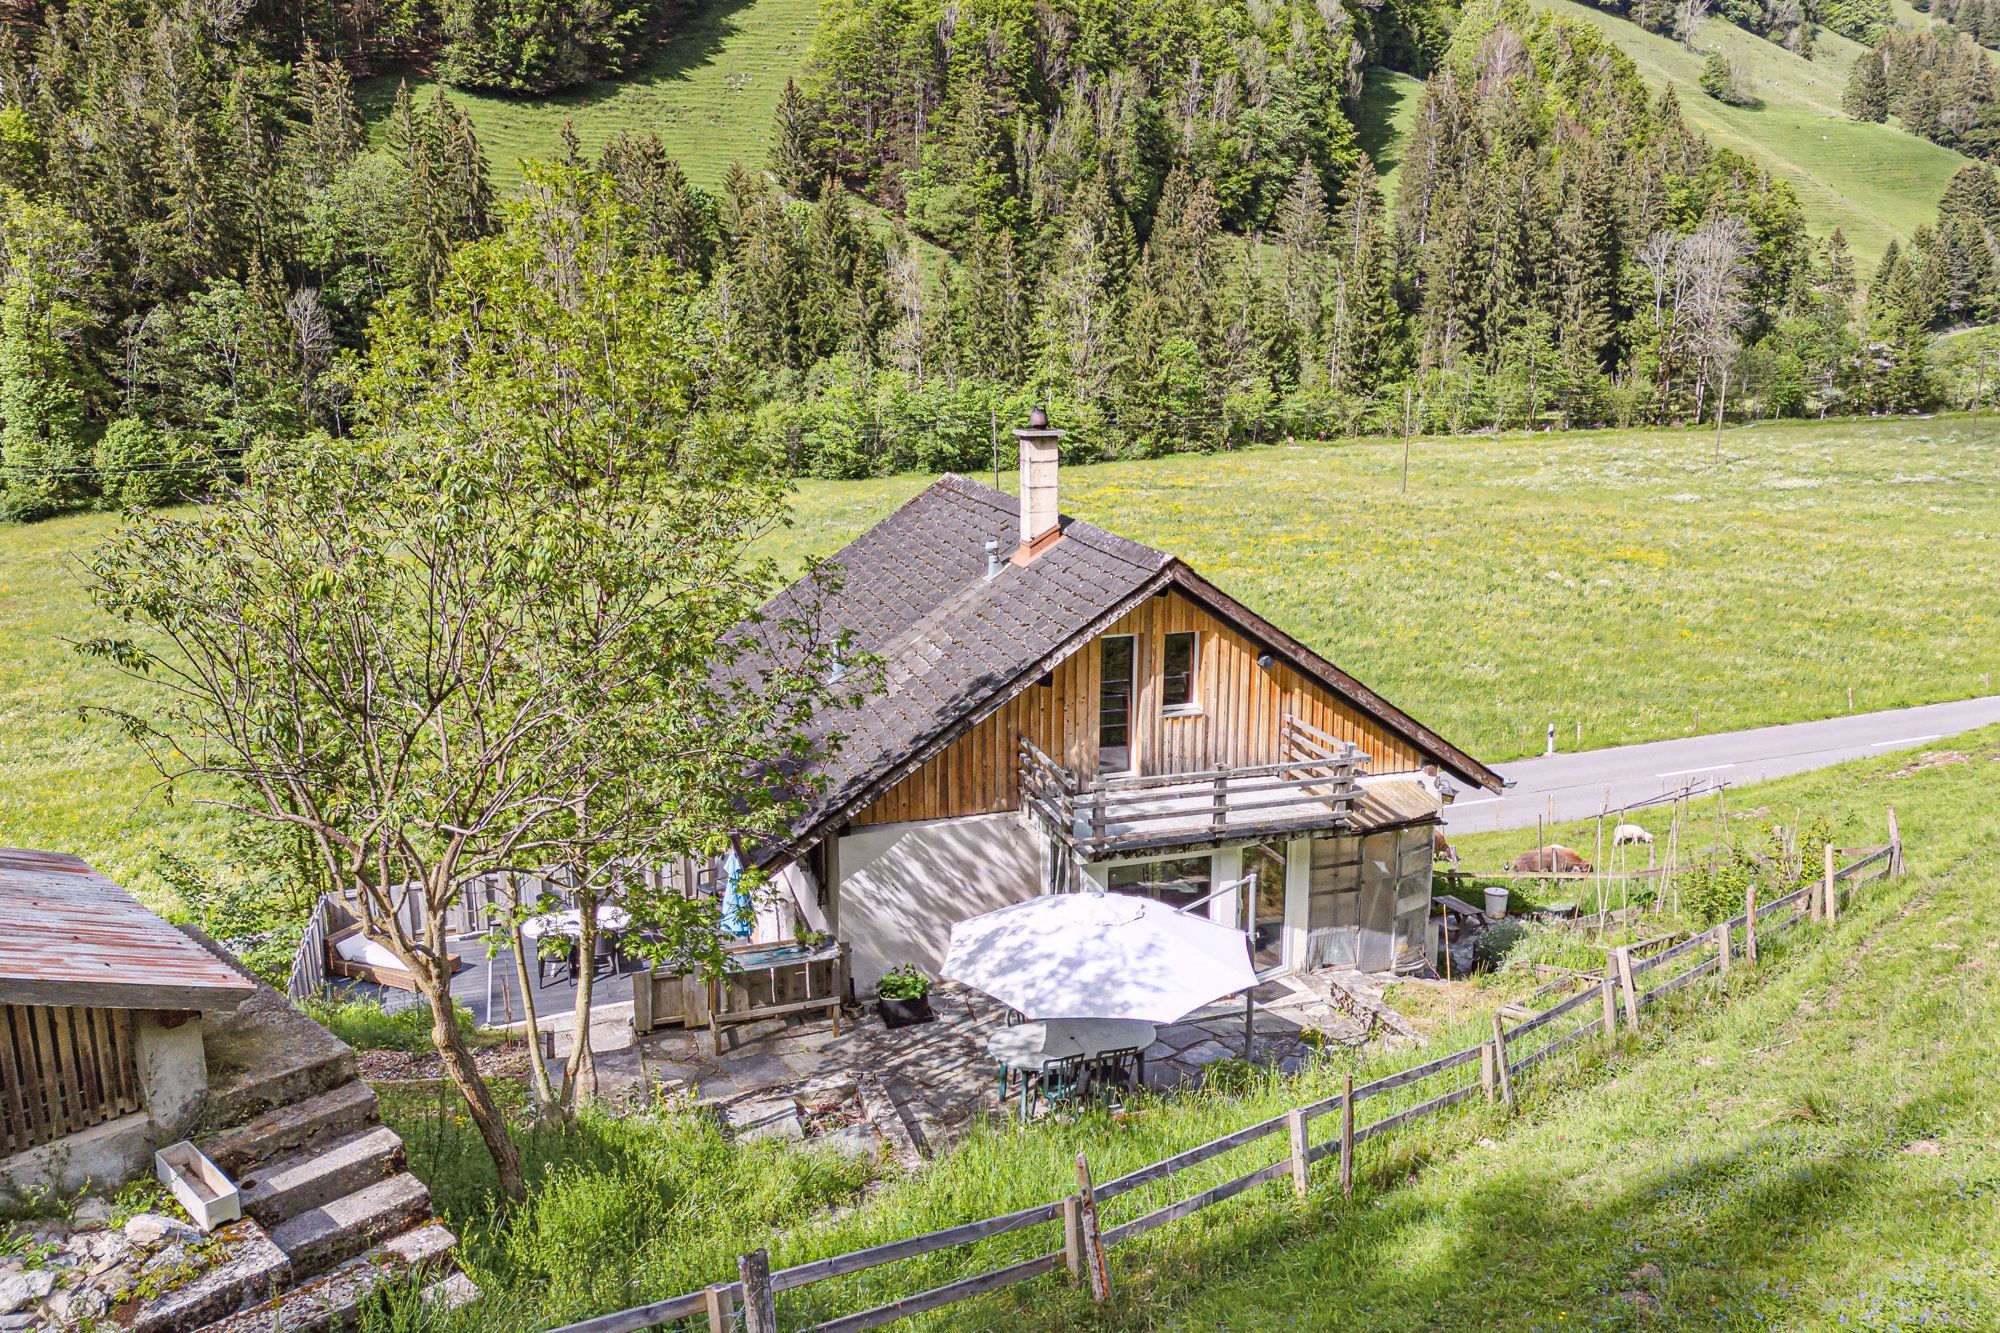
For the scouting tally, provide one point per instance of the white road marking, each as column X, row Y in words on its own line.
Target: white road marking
column 1683, row 772
column 1484, row 800
column 1907, row 740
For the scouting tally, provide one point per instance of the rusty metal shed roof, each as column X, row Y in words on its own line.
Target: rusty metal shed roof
column 70, row 936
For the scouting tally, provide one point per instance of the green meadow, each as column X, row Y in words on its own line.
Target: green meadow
column 1622, row 580
column 1618, row 579
column 709, row 93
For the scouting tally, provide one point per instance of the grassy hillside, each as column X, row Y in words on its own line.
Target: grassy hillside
column 1620, row 579
column 1819, row 1153
column 1874, row 182
column 709, row 94
column 1382, row 122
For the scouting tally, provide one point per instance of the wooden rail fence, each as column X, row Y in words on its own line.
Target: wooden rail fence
column 1438, row 1084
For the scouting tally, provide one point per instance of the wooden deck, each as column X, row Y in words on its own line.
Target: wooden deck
column 1121, row 816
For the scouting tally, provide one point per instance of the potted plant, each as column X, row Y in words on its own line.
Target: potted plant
column 905, row 997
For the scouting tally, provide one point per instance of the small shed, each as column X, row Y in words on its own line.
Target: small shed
column 101, row 1002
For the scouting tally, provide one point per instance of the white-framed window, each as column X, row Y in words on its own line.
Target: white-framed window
column 1117, row 692
column 1179, row 658
column 1176, row 881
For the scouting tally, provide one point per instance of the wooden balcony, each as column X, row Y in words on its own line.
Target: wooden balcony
column 1313, row 790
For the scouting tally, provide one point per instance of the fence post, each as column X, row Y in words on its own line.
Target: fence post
column 1722, row 948
column 1295, row 1124
column 1826, row 888
column 1750, row 924
column 721, row 1309
column 760, row 1303
column 1073, row 1236
column 1609, row 991
column 1487, row 1082
column 1347, row 1138
column 1500, row 1060
column 1622, row 955
column 1895, row 845
column 1093, row 1242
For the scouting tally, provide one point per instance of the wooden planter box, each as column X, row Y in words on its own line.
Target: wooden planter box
column 210, row 1197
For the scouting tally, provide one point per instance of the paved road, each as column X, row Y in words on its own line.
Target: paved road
column 1575, row 786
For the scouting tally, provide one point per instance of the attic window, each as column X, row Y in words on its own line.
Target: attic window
column 1177, row 666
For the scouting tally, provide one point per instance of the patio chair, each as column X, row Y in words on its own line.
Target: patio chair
column 1109, row 1073
column 557, row 962
column 1059, row 1084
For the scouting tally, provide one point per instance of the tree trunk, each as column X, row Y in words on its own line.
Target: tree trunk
column 434, row 981
column 580, row 1072
column 538, row 1082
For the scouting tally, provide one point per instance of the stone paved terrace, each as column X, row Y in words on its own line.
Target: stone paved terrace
column 921, row 1086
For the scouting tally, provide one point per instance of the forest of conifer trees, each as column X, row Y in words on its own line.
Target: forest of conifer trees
column 1157, row 220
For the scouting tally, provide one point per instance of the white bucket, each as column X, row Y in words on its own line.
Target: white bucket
column 1496, row 901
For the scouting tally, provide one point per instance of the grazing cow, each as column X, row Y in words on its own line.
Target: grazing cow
column 1627, row 834
column 1442, row 850
column 1552, row 860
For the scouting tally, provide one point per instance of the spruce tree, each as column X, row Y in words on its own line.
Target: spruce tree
column 793, row 161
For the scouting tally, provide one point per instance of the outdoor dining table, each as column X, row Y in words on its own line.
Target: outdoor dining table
column 1032, row 1047
column 609, row 918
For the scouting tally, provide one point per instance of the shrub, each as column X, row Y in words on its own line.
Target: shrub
column 138, row 463
column 366, row 1025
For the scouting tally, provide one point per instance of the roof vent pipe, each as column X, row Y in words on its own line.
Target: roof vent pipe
column 994, row 564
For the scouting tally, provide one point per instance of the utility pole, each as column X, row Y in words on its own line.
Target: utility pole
column 1406, row 439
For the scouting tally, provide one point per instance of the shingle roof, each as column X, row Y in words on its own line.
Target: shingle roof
column 954, row 643
column 914, row 593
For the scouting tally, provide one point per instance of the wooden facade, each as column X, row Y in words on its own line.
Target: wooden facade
column 63, row 1069
column 1235, row 722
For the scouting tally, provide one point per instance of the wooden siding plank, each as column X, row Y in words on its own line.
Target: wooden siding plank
column 1238, row 725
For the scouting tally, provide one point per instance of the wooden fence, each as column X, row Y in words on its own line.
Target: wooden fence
column 62, row 1070
column 308, row 978
column 1488, row 1070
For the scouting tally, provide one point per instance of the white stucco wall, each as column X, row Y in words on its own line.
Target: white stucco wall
column 903, row 886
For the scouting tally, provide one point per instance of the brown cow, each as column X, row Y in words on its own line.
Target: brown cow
column 1443, row 851
column 1553, row 859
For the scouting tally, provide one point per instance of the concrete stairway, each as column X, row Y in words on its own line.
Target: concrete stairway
column 321, row 1177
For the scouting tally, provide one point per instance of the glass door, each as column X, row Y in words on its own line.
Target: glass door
column 1267, row 908
column 1119, row 660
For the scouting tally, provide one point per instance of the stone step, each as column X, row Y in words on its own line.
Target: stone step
column 336, row 1231
column 280, row 1190
column 331, row 1300
column 246, row 1095
column 244, row 1267
column 290, row 1129
column 450, row 1293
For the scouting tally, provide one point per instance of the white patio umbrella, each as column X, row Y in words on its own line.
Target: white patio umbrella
column 1099, row 955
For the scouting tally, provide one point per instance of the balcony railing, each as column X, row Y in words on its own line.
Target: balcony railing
column 1315, row 789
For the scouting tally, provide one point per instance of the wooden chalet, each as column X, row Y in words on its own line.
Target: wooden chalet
column 101, row 1004
column 1060, row 704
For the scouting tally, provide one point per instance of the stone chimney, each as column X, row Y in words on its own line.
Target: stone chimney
column 1038, row 487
